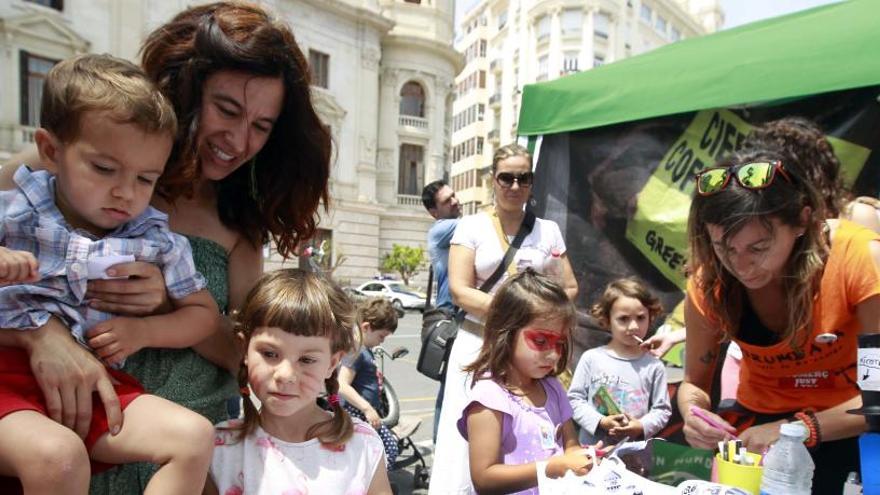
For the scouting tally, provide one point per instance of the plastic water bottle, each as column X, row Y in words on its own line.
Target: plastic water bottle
column 788, row 467
column 553, row 266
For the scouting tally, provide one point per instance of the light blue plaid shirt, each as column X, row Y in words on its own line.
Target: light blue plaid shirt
column 32, row 222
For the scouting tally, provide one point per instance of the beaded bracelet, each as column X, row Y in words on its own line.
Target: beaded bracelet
column 808, row 418
column 812, row 414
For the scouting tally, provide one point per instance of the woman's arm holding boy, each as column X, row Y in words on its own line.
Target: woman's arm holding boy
column 68, row 375
column 145, row 293
column 66, row 372
column 194, row 318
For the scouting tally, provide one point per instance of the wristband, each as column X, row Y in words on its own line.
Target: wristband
column 808, row 418
column 812, row 414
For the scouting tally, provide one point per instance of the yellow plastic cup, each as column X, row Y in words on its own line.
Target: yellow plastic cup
column 747, row 478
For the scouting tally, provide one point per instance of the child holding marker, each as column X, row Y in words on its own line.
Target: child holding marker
column 619, row 390
column 296, row 327
column 519, row 419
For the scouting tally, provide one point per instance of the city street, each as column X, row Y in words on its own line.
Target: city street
column 416, row 392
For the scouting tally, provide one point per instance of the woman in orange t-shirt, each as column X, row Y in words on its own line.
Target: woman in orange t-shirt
column 794, row 291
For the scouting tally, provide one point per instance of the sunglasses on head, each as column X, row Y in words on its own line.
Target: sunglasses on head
column 506, row 179
column 756, row 175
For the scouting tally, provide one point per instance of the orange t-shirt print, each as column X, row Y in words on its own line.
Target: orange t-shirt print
column 777, row 379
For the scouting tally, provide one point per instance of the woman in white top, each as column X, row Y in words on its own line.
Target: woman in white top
column 477, row 248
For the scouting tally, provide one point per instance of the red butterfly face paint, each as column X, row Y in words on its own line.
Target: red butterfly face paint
column 544, row 340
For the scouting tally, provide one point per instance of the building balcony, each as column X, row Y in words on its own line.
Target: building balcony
column 14, row 137
column 569, row 34
column 494, row 135
column 413, row 122
column 409, row 200
column 495, row 100
column 495, row 65
column 543, row 39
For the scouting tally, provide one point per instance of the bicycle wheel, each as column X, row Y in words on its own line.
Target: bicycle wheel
column 390, row 407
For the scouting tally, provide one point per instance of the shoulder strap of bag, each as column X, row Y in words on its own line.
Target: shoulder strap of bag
column 524, row 229
column 430, row 283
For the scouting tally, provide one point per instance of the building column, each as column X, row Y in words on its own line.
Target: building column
column 368, row 89
column 386, row 159
column 435, row 167
column 554, row 54
column 588, row 38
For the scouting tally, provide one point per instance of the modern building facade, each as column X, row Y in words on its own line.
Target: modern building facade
column 510, row 43
column 382, row 82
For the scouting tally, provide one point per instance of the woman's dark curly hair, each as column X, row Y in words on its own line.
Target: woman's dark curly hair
column 801, row 141
column 279, row 192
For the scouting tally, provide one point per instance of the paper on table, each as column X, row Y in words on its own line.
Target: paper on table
column 611, row 477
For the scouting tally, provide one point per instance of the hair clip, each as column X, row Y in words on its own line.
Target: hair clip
column 333, row 399
column 245, row 391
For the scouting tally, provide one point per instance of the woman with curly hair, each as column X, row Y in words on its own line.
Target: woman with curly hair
column 250, row 164
column 803, row 140
column 794, row 291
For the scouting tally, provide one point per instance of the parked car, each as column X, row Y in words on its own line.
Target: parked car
column 401, row 296
column 355, row 295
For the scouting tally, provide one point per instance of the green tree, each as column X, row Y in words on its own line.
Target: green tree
column 404, row 260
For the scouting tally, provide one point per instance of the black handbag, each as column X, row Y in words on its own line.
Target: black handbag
column 439, row 327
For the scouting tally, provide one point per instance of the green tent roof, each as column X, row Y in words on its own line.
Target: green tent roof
column 827, row 48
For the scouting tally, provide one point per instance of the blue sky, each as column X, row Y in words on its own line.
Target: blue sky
column 736, row 12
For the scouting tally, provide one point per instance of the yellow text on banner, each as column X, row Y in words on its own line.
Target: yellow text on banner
column 659, row 227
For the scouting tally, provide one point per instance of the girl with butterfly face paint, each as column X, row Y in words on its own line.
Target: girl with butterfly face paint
column 518, row 419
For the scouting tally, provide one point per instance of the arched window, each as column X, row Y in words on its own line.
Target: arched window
column 412, row 100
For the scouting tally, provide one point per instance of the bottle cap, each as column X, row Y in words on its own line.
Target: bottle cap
column 793, row 430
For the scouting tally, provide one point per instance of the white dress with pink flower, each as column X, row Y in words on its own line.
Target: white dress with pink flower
column 264, row 465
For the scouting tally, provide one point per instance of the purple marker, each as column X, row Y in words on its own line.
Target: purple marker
column 696, row 411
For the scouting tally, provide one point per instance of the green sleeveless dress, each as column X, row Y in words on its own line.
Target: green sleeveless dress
column 179, row 375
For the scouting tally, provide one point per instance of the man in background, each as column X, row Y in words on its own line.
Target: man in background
column 440, row 201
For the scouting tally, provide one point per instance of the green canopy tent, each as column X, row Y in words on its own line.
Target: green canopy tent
column 828, row 48
column 624, row 140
